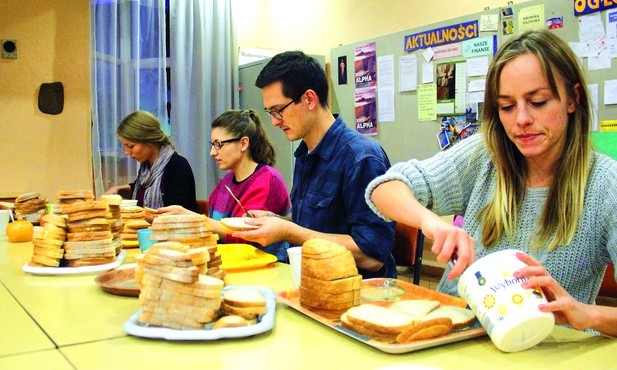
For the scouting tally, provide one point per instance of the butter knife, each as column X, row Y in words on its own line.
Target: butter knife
column 237, row 201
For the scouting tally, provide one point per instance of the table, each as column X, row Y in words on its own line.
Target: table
column 85, row 325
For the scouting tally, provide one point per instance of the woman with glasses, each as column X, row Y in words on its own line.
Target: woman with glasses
column 240, row 145
column 164, row 176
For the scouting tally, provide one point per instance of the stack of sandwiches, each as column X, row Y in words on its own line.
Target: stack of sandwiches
column 129, row 232
column 113, row 217
column 329, row 282
column 173, row 292
column 73, row 196
column 131, row 213
column 30, row 207
column 89, row 240
column 48, row 241
column 194, row 231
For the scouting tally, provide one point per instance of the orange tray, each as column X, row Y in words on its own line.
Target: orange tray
column 405, row 291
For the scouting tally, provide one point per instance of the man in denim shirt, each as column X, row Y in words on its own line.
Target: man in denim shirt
column 333, row 166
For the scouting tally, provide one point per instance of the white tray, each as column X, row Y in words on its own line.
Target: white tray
column 264, row 324
column 45, row 270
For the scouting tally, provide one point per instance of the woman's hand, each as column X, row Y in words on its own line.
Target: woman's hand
column 174, row 210
column 450, row 243
column 271, row 230
column 261, row 213
column 113, row 190
column 566, row 309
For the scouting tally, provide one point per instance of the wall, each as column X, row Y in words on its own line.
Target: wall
column 317, row 26
column 40, row 152
column 47, row 153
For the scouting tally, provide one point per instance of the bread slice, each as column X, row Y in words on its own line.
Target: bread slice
column 363, row 330
column 318, row 299
column 230, row 321
column 244, row 298
column 379, row 319
column 416, row 308
column 461, row 317
column 236, row 224
column 318, row 246
column 338, row 267
column 57, row 220
column 332, row 286
column 90, row 261
column 246, row 312
column 432, row 328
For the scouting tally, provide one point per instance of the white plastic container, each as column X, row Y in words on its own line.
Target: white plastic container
column 508, row 313
column 295, row 262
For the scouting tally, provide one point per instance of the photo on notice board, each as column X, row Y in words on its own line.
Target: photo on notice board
column 444, row 139
column 342, row 70
column 446, row 75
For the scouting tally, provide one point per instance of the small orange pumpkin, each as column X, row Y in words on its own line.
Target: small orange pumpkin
column 20, row 231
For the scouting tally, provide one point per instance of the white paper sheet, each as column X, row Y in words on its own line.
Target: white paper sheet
column 428, row 73
column 408, row 73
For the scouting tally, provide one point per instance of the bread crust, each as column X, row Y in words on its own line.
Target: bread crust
column 425, row 330
column 332, row 286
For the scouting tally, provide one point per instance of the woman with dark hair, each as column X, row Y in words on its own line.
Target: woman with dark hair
column 165, row 178
column 529, row 181
column 240, row 145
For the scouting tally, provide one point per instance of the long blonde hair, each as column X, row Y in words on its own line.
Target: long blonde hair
column 563, row 208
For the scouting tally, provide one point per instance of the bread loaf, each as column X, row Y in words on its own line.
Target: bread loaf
column 329, row 282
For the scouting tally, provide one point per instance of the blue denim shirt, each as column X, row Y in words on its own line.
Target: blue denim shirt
column 328, row 192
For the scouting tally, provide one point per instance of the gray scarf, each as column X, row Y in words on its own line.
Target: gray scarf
column 149, row 178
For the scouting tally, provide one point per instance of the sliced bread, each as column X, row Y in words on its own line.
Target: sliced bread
column 416, row 308
column 244, row 298
column 379, row 319
column 461, row 317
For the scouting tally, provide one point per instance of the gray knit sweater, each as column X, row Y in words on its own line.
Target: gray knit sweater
column 461, row 180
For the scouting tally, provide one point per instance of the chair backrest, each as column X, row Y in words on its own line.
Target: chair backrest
column 203, row 206
column 609, row 286
column 407, row 249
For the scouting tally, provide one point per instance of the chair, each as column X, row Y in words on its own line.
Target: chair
column 407, row 249
column 609, row 285
column 203, row 206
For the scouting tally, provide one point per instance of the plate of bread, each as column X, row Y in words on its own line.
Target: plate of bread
column 90, row 268
column 237, row 317
column 243, row 256
column 178, row 301
column 391, row 315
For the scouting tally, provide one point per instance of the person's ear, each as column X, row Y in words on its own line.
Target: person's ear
column 311, row 98
column 244, row 143
column 572, row 104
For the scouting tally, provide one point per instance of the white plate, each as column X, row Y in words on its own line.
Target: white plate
column 45, row 270
column 265, row 323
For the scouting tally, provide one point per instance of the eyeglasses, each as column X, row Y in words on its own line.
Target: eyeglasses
column 277, row 113
column 218, row 144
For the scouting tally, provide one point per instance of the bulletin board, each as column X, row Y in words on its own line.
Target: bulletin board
column 404, row 135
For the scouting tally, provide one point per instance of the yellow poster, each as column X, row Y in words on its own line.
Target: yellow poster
column 608, row 126
column 427, row 102
column 531, row 18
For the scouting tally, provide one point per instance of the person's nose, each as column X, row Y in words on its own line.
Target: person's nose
column 523, row 116
column 275, row 121
column 127, row 152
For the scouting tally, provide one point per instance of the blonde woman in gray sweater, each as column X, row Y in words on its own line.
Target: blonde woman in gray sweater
column 529, row 181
